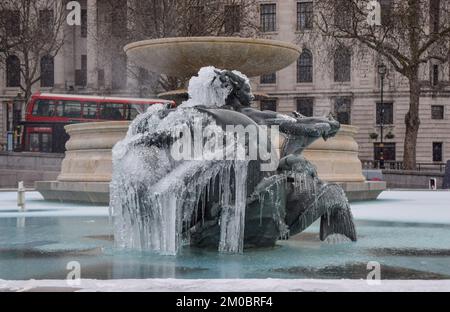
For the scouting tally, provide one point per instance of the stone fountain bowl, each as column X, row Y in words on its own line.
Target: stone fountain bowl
column 183, row 57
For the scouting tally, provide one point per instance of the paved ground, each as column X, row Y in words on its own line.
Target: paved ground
column 268, row 285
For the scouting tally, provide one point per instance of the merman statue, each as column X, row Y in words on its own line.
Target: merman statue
column 278, row 203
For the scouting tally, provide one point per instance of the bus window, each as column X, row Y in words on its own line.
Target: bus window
column 34, row 142
column 111, row 111
column 46, row 143
column 131, row 112
column 59, row 109
column 40, row 142
column 72, row 109
column 44, row 108
column 90, row 110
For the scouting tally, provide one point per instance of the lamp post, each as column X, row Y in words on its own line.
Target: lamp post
column 382, row 73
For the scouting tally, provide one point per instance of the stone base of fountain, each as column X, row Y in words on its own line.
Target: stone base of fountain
column 95, row 193
column 87, row 168
column 337, row 161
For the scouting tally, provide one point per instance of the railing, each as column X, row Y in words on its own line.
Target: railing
column 398, row 165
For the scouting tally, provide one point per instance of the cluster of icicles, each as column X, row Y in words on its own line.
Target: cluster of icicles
column 159, row 218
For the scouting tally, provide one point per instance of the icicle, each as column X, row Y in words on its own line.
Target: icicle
column 233, row 216
column 261, row 207
column 204, row 205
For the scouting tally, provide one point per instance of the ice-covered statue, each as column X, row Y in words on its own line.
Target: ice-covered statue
column 216, row 173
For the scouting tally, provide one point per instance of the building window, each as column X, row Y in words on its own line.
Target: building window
column 343, row 14
column 84, row 63
column 46, row 22
column 269, row 105
column 386, row 12
column 81, row 74
column 304, row 15
column 388, row 150
column 305, row 67
column 10, row 22
column 101, row 77
column 12, row 71
column 269, row 79
column 232, row 19
column 47, row 71
column 268, row 17
column 437, row 112
column 342, row 65
column 305, row 106
column 80, row 79
column 119, row 73
column 119, row 19
column 84, row 27
column 435, row 75
column 343, row 110
column 437, row 152
column 196, row 22
column 385, row 113
column 435, row 15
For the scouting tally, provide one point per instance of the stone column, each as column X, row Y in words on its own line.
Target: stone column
column 60, row 73
column 92, row 45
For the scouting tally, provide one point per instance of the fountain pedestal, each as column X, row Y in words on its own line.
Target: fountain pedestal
column 337, row 161
column 87, row 168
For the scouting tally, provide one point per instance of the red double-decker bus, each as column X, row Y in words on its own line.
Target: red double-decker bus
column 47, row 114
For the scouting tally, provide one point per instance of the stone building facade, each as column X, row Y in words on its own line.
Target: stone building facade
column 313, row 86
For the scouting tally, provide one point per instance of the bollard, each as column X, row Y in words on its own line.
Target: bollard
column 433, row 184
column 21, row 196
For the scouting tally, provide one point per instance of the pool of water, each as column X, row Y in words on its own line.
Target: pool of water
column 39, row 244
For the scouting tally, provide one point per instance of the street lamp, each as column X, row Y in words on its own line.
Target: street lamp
column 382, row 72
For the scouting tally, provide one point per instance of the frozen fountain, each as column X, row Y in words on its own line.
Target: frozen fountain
column 87, row 167
column 179, row 177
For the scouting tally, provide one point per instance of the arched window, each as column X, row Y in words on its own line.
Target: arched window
column 12, row 71
column 435, row 15
column 342, row 65
column 305, row 67
column 47, row 71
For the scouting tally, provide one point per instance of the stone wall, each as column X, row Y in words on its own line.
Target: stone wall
column 412, row 179
column 28, row 167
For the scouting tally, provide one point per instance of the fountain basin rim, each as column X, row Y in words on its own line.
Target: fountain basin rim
column 183, row 57
column 257, row 41
column 103, row 126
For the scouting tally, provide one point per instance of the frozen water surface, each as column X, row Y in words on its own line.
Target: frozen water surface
column 407, row 206
column 408, row 233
